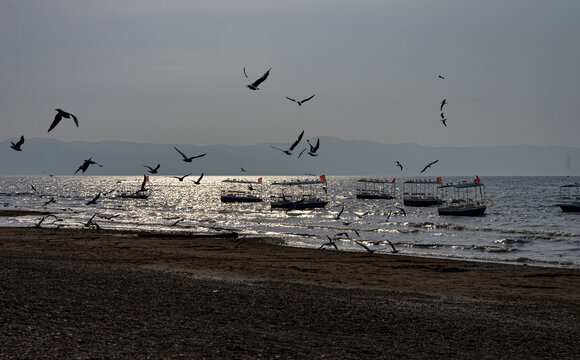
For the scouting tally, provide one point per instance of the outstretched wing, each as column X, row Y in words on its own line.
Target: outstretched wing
column 261, row 80
column 200, row 177
column 75, row 119
column 245, row 72
column 305, row 100
column 316, row 146
column 290, row 99
column 198, row 156
column 182, row 154
column 157, row 167
column 297, row 141
column 20, row 142
column 273, row 147
column 57, row 119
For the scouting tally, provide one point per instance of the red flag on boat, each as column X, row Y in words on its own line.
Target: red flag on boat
column 476, row 179
column 146, row 178
column 323, row 178
column 393, row 181
column 439, row 179
column 259, row 180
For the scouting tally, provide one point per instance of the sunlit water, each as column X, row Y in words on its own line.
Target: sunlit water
column 523, row 225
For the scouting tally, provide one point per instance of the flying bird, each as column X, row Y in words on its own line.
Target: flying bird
column 399, row 165
column 58, row 117
column 180, row 178
column 361, row 215
column 152, row 170
column 340, row 213
column 178, row 221
column 300, row 102
column 289, row 151
column 243, row 170
column 369, row 250
column 429, row 165
column 402, row 211
column 188, row 159
column 444, row 121
column 255, row 84
column 198, row 181
column 143, row 183
column 440, row 77
column 443, row 104
column 94, row 200
column 18, row 144
column 313, row 149
column 52, row 200
column 329, row 243
column 86, row 165
column 392, row 246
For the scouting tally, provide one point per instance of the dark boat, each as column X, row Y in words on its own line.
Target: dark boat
column 569, row 199
column 463, row 199
column 420, row 193
column 299, row 195
column 236, row 194
column 375, row 189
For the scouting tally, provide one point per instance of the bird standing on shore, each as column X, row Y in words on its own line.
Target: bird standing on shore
column 255, row 84
column 18, row 144
column 58, row 117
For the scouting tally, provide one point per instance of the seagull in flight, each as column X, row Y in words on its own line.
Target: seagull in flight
column 188, row 159
column 198, row 181
column 340, row 213
column 429, row 165
column 313, row 149
column 300, row 102
column 392, row 246
column 86, row 164
column 18, row 144
column 180, row 178
column 443, row 103
column 143, row 183
column 52, row 200
column 255, row 84
column 58, row 117
column 243, row 170
column 399, row 165
column 152, row 170
column 402, row 211
column 369, row 250
column 444, row 121
column 289, row 151
column 440, row 77
column 94, row 200
column 329, row 243
column 361, row 215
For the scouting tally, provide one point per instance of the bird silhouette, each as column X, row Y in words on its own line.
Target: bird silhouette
column 330, row 242
column 399, row 165
column 152, row 170
column 300, row 102
column 443, row 104
column 440, row 77
column 429, row 165
column 180, row 178
column 255, row 84
column 86, row 165
column 198, row 181
column 94, row 200
column 369, row 250
column 187, row 158
column 289, row 151
column 394, row 251
column 313, row 149
column 58, row 117
column 443, row 121
column 340, row 213
column 18, row 144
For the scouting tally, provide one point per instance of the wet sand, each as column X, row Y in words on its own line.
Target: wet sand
column 81, row 293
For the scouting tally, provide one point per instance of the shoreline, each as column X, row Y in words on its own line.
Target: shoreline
column 87, row 294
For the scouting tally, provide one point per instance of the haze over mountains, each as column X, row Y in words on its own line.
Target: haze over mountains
column 43, row 156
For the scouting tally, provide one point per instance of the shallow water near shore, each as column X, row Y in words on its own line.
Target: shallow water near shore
column 523, row 225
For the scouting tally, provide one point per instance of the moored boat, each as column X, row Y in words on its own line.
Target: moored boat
column 371, row 189
column 569, row 199
column 463, row 199
column 300, row 195
column 241, row 191
column 421, row 193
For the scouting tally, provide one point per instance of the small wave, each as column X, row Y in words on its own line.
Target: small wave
column 510, row 241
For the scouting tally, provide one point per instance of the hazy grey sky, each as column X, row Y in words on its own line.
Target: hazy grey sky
column 171, row 71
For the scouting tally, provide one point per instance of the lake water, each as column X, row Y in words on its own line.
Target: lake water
column 523, row 226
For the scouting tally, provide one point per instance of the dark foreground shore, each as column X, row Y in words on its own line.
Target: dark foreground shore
column 80, row 294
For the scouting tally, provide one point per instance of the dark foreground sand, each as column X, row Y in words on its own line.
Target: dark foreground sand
column 83, row 294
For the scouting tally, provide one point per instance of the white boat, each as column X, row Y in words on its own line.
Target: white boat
column 463, row 199
column 375, row 189
column 421, row 193
column 569, row 199
column 300, row 195
column 241, row 191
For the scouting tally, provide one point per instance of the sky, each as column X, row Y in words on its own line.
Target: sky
column 171, row 72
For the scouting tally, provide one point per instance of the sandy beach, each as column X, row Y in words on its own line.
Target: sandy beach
column 88, row 294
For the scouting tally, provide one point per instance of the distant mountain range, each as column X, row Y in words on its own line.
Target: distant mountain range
column 43, row 156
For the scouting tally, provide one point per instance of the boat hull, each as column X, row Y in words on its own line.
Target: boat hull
column 455, row 211
column 570, row 207
column 298, row 205
column 421, row 202
column 374, row 196
column 243, row 199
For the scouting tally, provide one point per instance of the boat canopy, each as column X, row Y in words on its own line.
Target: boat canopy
column 240, row 181
column 461, row 185
column 375, row 181
column 570, row 185
column 422, row 182
column 298, row 182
